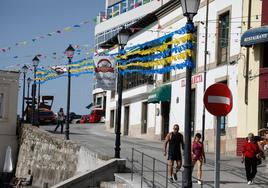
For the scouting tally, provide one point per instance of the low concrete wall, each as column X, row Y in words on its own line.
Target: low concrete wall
column 94, row 177
column 52, row 159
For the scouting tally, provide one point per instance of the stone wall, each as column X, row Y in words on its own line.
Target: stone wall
column 52, row 159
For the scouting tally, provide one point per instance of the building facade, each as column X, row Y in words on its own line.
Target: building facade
column 148, row 117
column 9, row 87
column 253, row 71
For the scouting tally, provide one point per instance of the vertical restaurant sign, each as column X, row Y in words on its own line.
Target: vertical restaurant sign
column 105, row 73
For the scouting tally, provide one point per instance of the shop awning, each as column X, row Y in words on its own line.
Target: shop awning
column 162, row 93
column 254, row 36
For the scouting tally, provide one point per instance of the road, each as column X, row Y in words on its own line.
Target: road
column 95, row 138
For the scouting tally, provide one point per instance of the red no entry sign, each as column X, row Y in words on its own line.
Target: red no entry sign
column 218, row 99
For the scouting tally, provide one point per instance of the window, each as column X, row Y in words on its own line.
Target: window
column 221, row 121
column 99, row 101
column 112, row 119
column 115, row 10
column 109, row 12
column 223, row 38
column 123, row 7
column 112, row 94
column 138, row 3
column 195, row 43
column 264, row 63
column 1, row 105
column 135, row 79
column 131, row 4
column 166, row 76
column 146, row 1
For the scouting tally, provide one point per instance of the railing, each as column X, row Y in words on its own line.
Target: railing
column 152, row 171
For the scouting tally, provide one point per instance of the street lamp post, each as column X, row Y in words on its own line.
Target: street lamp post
column 189, row 8
column 38, row 102
column 69, row 53
column 122, row 38
column 24, row 70
column 29, row 80
column 35, row 64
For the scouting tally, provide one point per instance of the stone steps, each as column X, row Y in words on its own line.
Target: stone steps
column 113, row 184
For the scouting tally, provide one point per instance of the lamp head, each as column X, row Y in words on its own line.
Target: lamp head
column 70, row 52
column 35, row 61
column 29, row 80
column 24, row 69
column 190, row 8
column 122, row 37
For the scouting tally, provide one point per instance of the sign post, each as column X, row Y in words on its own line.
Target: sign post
column 218, row 101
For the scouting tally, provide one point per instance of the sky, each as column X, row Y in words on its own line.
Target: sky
column 24, row 20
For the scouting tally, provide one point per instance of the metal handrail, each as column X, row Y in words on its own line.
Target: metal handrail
column 144, row 169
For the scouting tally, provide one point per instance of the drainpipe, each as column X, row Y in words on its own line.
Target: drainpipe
column 247, row 59
column 205, row 72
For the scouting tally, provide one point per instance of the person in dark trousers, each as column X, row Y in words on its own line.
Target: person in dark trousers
column 60, row 120
column 250, row 152
column 175, row 142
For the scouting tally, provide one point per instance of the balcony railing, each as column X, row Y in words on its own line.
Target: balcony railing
column 120, row 8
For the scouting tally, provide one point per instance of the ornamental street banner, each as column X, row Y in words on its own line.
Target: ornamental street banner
column 105, row 73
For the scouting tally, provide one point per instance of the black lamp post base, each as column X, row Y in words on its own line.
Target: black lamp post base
column 117, row 153
column 67, row 132
column 186, row 181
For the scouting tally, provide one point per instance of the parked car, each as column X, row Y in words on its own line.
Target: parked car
column 84, row 119
column 46, row 116
column 96, row 116
column 73, row 116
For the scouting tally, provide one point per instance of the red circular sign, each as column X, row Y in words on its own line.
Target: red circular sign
column 218, row 99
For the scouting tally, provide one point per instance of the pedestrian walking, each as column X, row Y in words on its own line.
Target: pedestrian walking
column 198, row 156
column 263, row 145
column 175, row 142
column 250, row 152
column 60, row 120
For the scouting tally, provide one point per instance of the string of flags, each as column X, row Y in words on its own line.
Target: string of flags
column 168, row 52
column 50, row 34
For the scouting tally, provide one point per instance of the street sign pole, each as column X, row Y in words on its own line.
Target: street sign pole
column 218, row 101
column 217, row 155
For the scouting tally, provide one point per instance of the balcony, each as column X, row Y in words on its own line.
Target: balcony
column 108, row 27
column 140, row 92
column 120, row 8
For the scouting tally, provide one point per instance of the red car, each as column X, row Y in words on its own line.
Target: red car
column 84, row 119
column 96, row 116
column 46, row 116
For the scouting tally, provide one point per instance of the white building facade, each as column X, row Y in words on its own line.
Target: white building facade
column 143, row 119
column 9, row 88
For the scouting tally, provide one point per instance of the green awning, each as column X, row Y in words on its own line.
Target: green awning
column 162, row 93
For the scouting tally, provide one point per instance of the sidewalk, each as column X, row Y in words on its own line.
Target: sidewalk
column 232, row 174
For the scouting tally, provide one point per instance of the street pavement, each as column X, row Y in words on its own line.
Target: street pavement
column 95, row 138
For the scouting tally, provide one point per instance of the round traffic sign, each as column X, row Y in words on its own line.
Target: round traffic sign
column 218, row 99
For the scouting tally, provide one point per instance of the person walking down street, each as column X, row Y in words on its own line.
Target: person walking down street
column 250, row 152
column 60, row 120
column 175, row 142
column 198, row 156
column 263, row 145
